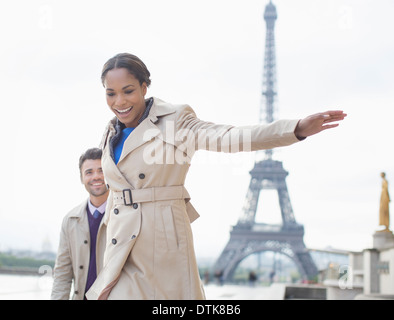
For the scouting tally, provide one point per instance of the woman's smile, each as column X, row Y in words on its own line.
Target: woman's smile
column 123, row 112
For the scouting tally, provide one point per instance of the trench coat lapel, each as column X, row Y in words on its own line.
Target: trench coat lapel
column 81, row 216
column 143, row 133
column 108, row 162
column 106, row 159
column 146, row 130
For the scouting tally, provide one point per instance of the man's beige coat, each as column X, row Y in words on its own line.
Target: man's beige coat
column 149, row 252
column 72, row 261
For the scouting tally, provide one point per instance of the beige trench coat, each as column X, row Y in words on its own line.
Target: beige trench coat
column 72, row 261
column 150, row 253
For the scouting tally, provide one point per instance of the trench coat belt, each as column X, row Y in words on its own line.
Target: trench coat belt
column 130, row 196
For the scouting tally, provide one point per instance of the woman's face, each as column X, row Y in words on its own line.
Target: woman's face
column 125, row 96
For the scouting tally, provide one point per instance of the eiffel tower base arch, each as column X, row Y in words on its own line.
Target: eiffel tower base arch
column 247, row 241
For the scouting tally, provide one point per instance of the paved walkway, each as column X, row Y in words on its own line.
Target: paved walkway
column 234, row 292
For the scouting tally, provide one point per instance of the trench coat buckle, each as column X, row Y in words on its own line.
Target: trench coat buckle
column 126, row 203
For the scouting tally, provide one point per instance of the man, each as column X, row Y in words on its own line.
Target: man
column 82, row 237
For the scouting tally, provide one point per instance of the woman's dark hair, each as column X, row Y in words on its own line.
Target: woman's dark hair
column 130, row 62
column 90, row 154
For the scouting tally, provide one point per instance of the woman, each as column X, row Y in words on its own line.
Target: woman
column 147, row 149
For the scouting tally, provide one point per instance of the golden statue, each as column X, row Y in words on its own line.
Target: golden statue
column 384, row 215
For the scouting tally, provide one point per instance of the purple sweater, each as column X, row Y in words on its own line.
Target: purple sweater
column 94, row 224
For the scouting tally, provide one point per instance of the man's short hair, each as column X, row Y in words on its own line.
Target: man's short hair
column 90, row 154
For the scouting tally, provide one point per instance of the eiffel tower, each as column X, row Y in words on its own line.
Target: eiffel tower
column 247, row 236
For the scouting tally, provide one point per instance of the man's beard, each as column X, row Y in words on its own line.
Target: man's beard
column 97, row 193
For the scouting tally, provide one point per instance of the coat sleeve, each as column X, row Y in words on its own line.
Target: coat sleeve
column 63, row 273
column 194, row 134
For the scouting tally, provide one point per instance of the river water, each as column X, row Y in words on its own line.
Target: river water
column 17, row 287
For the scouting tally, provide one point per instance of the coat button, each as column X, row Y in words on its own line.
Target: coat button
column 133, row 237
column 85, row 242
column 141, row 176
column 80, row 267
column 116, row 210
column 76, row 292
column 114, row 241
column 135, row 205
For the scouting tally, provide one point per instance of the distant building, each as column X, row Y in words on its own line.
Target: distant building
column 369, row 273
column 46, row 245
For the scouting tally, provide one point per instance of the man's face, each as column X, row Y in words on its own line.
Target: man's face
column 93, row 178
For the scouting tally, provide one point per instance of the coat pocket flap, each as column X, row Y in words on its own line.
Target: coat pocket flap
column 191, row 212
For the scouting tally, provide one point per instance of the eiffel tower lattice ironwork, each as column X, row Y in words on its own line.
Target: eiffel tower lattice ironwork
column 247, row 236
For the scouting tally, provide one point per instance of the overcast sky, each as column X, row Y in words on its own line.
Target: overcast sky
column 335, row 54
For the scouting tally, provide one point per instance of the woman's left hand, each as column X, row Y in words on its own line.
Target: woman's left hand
column 318, row 122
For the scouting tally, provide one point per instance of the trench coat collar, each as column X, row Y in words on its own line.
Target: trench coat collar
column 80, row 211
column 159, row 109
column 147, row 129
